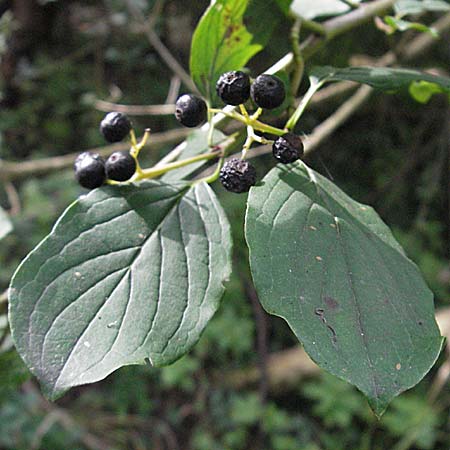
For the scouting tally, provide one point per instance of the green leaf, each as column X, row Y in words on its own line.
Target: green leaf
column 422, row 91
column 311, row 9
column 5, row 224
column 331, row 268
column 129, row 273
column 220, row 43
column 195, row 144
column 396, row 24
column 383, row 78
column 405, row 7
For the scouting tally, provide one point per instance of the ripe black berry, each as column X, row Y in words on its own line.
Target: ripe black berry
column 267, row 91
column 120, row 166
column 237, row 175
column 233, row 87
column 115, row 126
column 90, row 170
column 190, row 110
column 287, row 148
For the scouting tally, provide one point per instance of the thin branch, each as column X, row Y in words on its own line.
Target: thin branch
column 16, row 170
column 174, row 90
column 160, row 48
column 135, row 110
column 13, row 199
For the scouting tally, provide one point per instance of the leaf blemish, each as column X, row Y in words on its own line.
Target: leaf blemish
column 331, row 303
column 320, row 312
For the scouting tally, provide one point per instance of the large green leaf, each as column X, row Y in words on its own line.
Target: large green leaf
column 129, row 273
column 383, row 78
column 331, row 268
column 5, row 224
column 220, row 43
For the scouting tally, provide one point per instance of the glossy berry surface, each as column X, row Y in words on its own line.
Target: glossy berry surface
column 120, row 166
column 233, row 87
column 115, row 126
column 268, row 91
column 287, row 148
column 237, row 175
column 190, row 110
column 90, row 170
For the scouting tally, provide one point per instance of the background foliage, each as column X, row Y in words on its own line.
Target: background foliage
column 57, row 58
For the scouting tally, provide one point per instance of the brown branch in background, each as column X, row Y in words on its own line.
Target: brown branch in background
column 17, row 170
column 13, row 199
column 174, row 90
column 159, row 47
column 135, row 110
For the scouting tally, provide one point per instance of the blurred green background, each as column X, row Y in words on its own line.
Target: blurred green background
column 56, row 59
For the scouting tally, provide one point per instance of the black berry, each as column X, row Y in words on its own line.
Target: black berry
column 268, row 91
column 115, row 126
column 237, row 175
column 287, row 148
column 190, row 110
column 233, row 87
column 90, row 170
column 120, row 166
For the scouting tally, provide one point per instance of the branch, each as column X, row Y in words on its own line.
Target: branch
column 135, row 110
column 16, row 170
column 160, row 48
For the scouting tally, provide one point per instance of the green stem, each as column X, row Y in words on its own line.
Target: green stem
column 313, row 88
column 251, row 121
column 315, row 27
column 154, row 172
column 260, row 126
column 297, row 74
column 214, row 176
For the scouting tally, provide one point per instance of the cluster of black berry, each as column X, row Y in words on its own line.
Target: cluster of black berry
column 235, row 88
column 237, row 175
column 91, row 170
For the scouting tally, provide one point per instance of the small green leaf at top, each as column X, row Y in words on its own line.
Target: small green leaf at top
column 395, row 24
column 129, row 274
column 422, row 91
column 221, row 42
column 331, row 268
